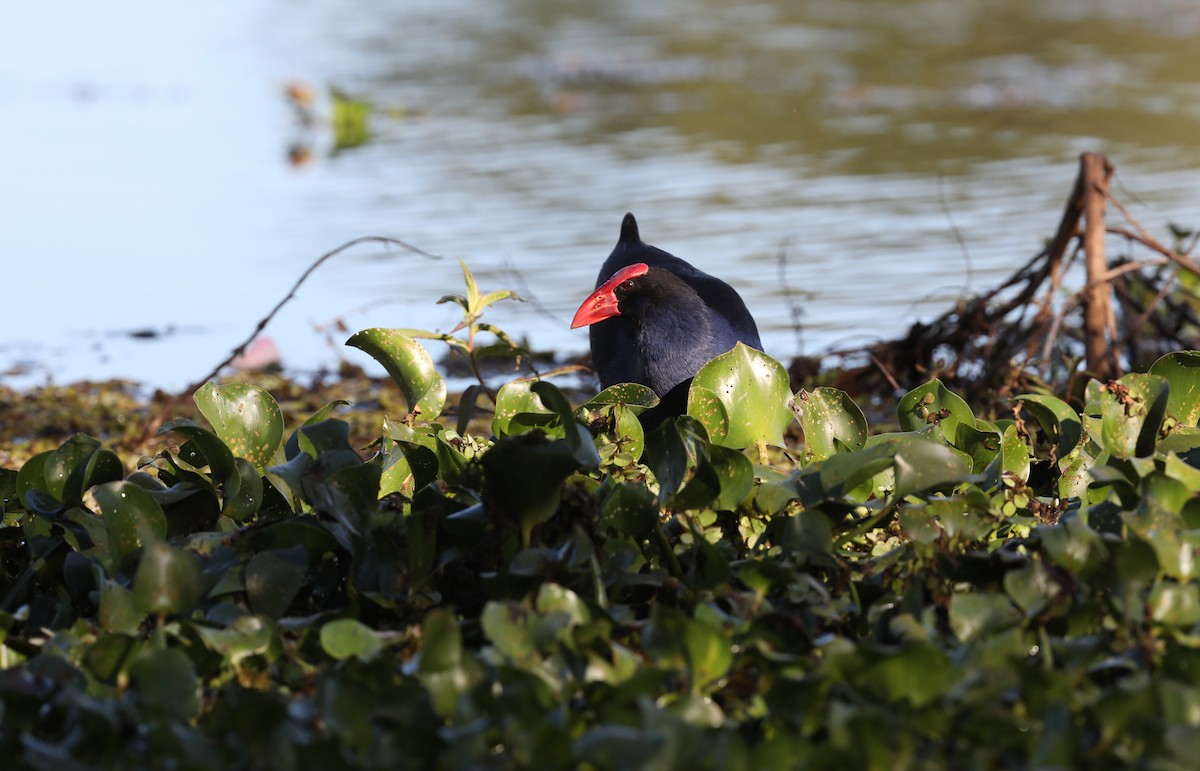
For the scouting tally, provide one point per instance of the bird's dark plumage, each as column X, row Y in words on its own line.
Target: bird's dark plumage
column 659, row 324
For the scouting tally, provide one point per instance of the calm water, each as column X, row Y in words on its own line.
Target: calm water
column 821, row 148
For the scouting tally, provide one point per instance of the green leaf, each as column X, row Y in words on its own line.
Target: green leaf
column 706, row 407
column 245, row 417
column 1015, row 454
column 634, row 395
column 504, row 625
column 934, row 404
column 709, row 654
column 441, row 642
column 410, row 366
column 292, row 447
column 519, row 409
column 167, row 581
column 974, row 615
column 1181, row 370
column 348, row 637
column 921, row 465
column 529, row 498
column 576, row 434
column 165, row 683
column 132, row 519
column 204, row 448
column 1131, row 413
column 1175, row 604
column 631, row 509
column 832, row 423
column 1031, row 587
column 1057, row 419
column 273, row 578
column 753, row 390
column 735, row 473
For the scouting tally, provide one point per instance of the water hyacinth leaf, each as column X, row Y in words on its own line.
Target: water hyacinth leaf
column 529, row 498
column 575, row 434
column 620, row 746
column 631, row 509
column 247, row 499
column 204, row 448
column 165, row 682
column 634, row 395
column 981, row 444
column 976, row 614
column 847, row 471
column 753, row 390
column 348, row 637
column 934, row 404
column 410, row 367
column 1057, row 419
column 132, row 519
column 118, row 611
column 326, row 436
column 709, row 653
column 273, row 578
column 1131, row 412
column 441, row 642
column 505, row 624
column 553, row 598
column 292, row 447
column 735, row 473
column 1072, row 544
column 519, row 399
column 1181, row 370
column 441, row 662
column 1175, row 604
column 706, row 407
column 1164, row 531
column 832, row 423
column 167, row 582
column 667, row 456
column 1031, row 587
column 246, row 418
column 917, row 675
column 922, row 465
column 246, row 636
column 1015, row 454
column 109, row 655
column 76, row 466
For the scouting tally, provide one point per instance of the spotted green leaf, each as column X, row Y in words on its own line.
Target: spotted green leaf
column 410, row 366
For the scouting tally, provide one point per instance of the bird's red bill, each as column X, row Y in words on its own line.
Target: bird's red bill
column 602, row 304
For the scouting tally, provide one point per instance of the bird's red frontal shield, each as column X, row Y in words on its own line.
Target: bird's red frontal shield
column 602, row 304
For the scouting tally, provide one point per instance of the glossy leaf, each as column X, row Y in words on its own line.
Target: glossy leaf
column 410, row 366
column 350, row 638
column 832, row 423
column 1057, row 419
column 132, row 519
column 167, row 581
column 273, row 578
column 245, row 417
column 753, row 390
column 1181, row 370
column 934, row 404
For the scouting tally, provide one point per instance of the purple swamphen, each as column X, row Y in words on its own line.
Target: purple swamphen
column 655, row 319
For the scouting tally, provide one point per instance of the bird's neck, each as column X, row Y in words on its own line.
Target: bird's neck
column 675, row 339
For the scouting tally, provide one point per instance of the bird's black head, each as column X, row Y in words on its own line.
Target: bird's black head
column 629, row 292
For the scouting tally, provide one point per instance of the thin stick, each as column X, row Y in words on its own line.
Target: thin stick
column 292, row 293
column 958, row 236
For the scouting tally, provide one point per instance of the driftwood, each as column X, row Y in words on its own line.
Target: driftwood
column 1127, row 313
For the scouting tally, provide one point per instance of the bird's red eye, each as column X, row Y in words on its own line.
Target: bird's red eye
column 628, row 285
